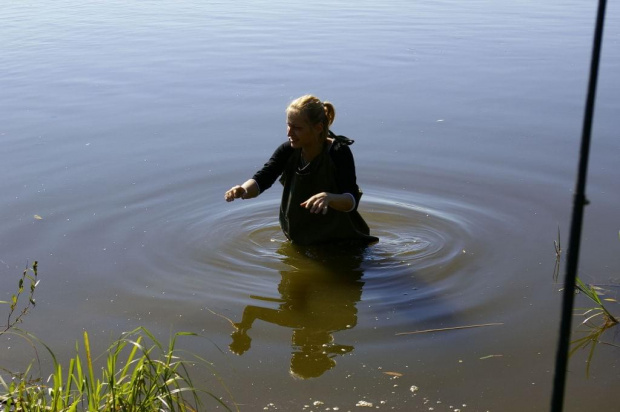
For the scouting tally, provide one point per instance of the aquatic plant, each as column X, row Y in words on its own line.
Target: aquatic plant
column 136, row 377
column 594, row 330
column 599, row 318
column 557, row 244
column 31, row 275
column 140, row 373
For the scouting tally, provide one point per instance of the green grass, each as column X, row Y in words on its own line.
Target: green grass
column 139, row 374
column 136, row 373
column 17, row 310
column 598, row 317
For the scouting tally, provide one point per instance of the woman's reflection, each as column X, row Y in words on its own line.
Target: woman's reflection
column 319, row 292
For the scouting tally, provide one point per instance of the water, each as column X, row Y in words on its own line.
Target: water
column 122, row 124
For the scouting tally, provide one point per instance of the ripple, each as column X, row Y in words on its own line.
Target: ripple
column 420, row 252
column 419, row 245
column 167, row 241
column 245, row 236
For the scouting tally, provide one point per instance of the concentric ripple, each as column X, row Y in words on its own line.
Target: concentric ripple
column 241, row 247
column 168, row 242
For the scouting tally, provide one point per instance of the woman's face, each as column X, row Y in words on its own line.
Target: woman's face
column 300, row 132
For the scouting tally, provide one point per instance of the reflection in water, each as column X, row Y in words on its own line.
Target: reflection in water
column 319, row 292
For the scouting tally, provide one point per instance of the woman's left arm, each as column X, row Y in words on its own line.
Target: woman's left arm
column 321, row 202
column 348, row 198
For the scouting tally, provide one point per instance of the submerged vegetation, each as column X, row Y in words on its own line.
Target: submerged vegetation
column 139, row 372
column 598, row 317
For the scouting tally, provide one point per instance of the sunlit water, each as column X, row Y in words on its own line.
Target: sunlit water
column 122, row 124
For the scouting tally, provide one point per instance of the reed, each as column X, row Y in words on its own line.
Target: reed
column 137, row 373
column 140, row 374
column 598, row 317
column 16, row 314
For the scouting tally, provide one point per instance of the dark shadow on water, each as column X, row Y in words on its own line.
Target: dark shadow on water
column 319, row 292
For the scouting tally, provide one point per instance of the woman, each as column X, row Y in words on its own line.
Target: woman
column 320, row 198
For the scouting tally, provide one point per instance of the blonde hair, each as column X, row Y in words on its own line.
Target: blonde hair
column 315, row 111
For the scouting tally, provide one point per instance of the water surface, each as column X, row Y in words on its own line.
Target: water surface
column 122, row 124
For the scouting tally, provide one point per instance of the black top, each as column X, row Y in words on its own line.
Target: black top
column 340, row 155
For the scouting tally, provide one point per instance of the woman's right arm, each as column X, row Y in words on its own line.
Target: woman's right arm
column 264, row 178
column 247, row 190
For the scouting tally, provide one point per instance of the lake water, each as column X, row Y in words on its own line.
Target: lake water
column 123, row 123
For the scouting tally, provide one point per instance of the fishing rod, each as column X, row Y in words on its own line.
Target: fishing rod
column 579, row 202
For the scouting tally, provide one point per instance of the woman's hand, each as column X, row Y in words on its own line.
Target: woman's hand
column 235, row 192
column 322, row 202
column 247, row 190
column 318, row 203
